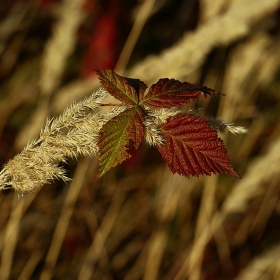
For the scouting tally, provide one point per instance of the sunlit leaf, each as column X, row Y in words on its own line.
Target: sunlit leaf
column 116, row 136
column 167, row 93
column 191, row 147
column 124, row 89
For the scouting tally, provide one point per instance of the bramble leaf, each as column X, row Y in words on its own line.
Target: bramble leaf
column 167, row 93
column 191, row 147
column 124, row 89
column 116, row 135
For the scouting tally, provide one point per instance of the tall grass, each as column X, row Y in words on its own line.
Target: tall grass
column 139, row 221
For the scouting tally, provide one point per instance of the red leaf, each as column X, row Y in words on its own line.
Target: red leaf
column 124, row 89
column 115, row 137
column 191, row 147
column 168, row 93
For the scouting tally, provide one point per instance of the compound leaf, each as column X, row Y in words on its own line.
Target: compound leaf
column 124, row 89
column 167, row 93
column 116, row 136
column 191, row 147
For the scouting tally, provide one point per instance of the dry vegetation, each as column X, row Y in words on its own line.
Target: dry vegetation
column 139, row 221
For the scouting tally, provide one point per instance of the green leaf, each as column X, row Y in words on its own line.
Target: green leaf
column 124, row 89
column 116, row 135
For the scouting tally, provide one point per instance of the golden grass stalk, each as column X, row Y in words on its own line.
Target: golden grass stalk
column 60, row 44
column 64, row 220
column 260, row 171
column 140, row 20
column 57, row 50
column 10, row 235
column 72, row 134
column 97, row 247
column 209, row 9
column 172, row 193
column 263, row 266
column 187, row 55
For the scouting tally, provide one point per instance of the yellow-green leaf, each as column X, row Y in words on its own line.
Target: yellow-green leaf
column 116, row 135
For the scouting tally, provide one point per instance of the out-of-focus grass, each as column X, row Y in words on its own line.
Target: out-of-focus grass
column 139, row 221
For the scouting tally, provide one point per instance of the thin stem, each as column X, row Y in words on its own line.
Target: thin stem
column 113, row 104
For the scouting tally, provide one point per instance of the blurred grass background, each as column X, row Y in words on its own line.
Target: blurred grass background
column 140, row 221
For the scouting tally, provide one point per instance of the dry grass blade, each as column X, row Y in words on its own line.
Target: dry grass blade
column 253, row 184
column 210, row 9
column 242, row 64
column 155, row 254
column 63, row 222
column 31, row 265
column 97, row 247
column 139, row 22
column 11, row 235
column 207, row 206
column 185, row 57
column 170, row 197
column 197, row 250
column 72, row 134
column 60, row 45
column 11, row 23
column 57, row 50
column 262, row 267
